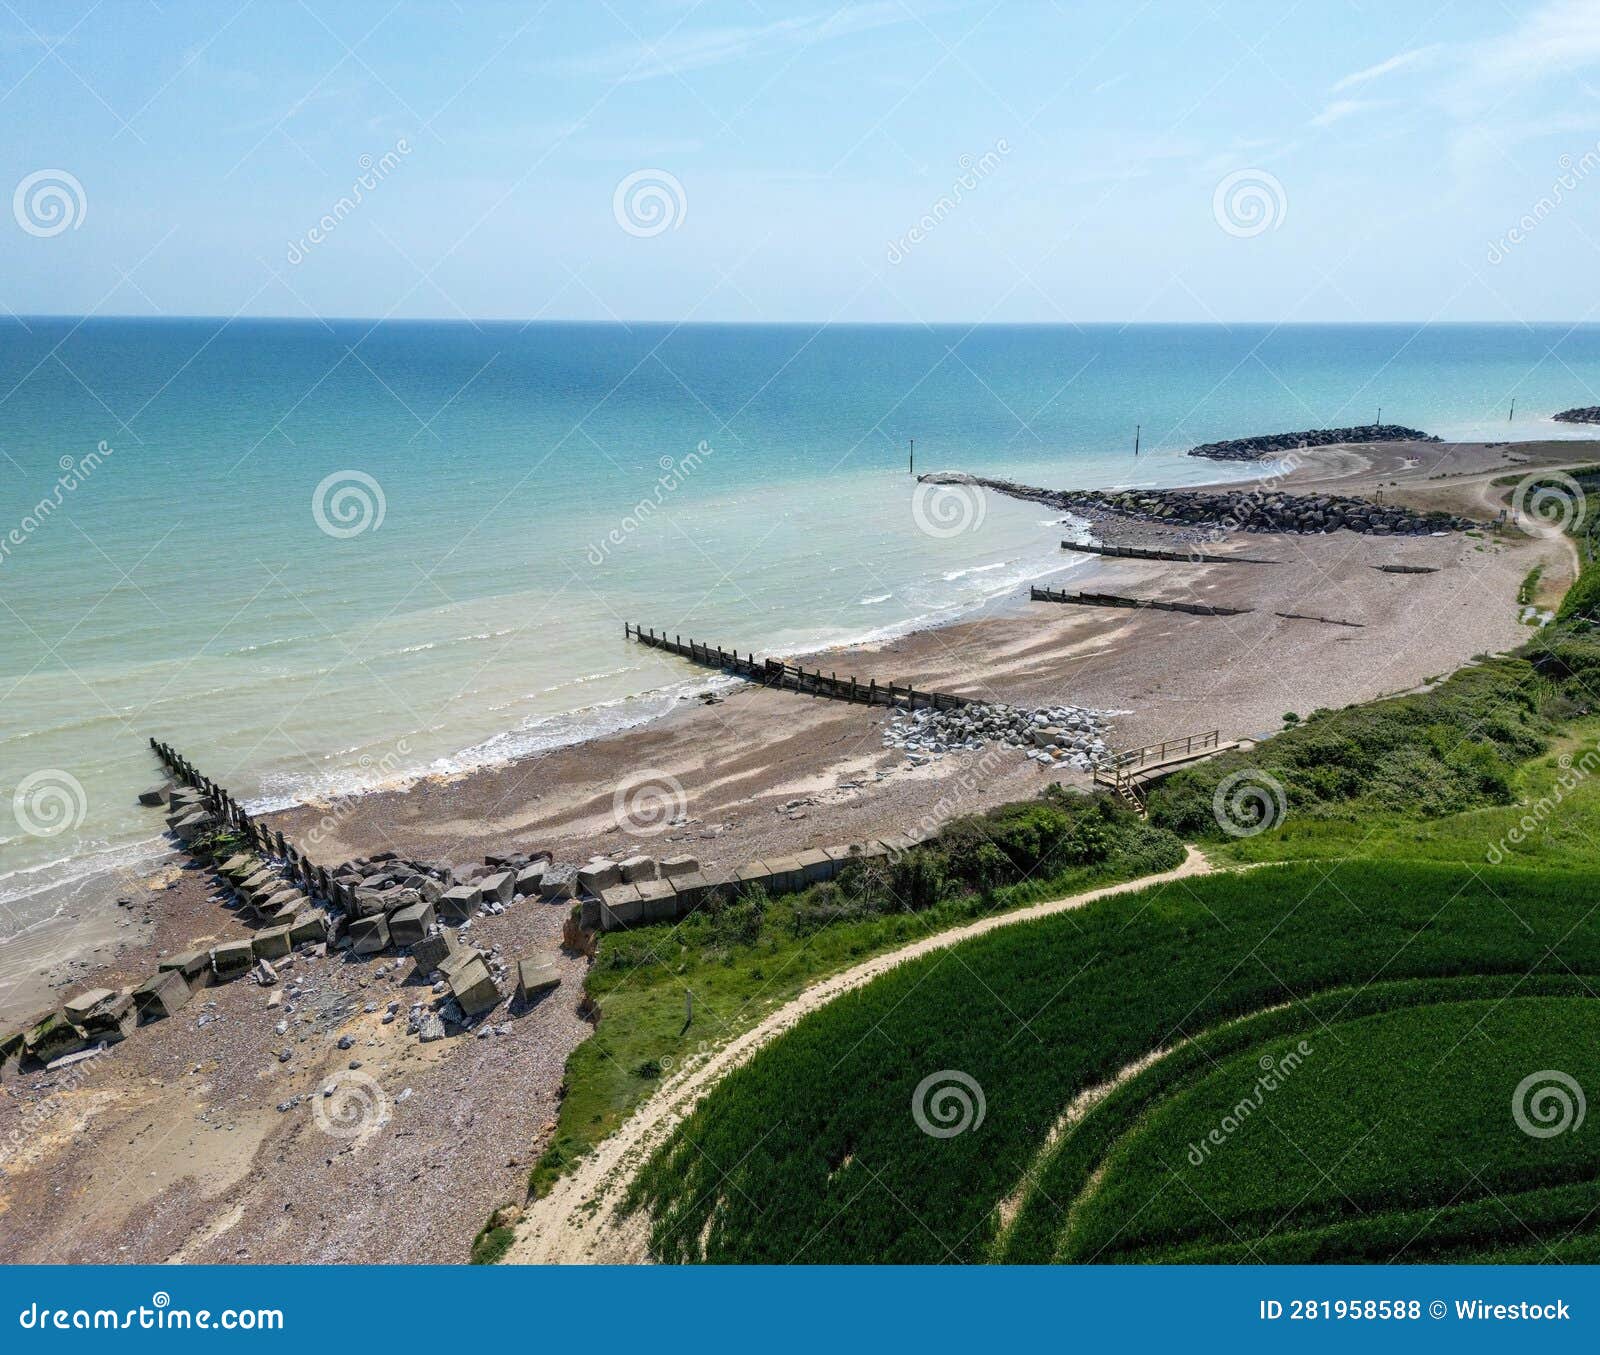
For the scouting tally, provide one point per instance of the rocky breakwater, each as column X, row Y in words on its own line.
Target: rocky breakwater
column 1068, row 735
column 1585, row 414
column 1228, row 510
column 1276, row 444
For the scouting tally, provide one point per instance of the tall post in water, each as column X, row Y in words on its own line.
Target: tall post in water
column 1512, row 412
column 911, row 465
column 1136, row 429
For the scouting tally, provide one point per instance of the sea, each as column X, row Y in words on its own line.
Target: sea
column 322, row 556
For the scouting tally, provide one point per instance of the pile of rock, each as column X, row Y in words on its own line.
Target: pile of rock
column 1248, row 510
column 1585, row 414
column 1057, row 734
column 1244, row 510
column 1275, row 444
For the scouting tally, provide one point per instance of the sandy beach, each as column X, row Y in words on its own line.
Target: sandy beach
column 171, row 1143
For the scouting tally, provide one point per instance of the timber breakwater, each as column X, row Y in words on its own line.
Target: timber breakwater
column 1244, row 510
column 1276, row 444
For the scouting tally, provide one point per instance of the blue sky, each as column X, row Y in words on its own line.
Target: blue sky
column 1082, row 162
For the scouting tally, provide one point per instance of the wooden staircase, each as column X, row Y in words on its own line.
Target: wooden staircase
column 1127, row 772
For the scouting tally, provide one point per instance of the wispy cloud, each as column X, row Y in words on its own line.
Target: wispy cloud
column 679, row 53
column 1563, row 36
column 1404, row 61
column 1337, row 110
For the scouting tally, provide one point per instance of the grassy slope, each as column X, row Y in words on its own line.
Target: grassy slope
column 1037, row 1014
column 1413, row 1106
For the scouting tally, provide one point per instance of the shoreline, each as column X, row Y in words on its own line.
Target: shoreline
column 754, row 773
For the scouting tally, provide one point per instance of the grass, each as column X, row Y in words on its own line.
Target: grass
column 670, row 992
column 1415, row 1106
column 811, row 1151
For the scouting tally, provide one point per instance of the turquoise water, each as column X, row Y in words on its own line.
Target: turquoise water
column 183, row 585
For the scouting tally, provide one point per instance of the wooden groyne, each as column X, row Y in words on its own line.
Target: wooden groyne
column 227, row 813
column 1116, row 600
column 1184, row 557
column 792, row 677
column 1407, row 569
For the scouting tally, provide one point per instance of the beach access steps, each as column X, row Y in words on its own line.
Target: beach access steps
column 1117, row 600
column 1128, row 771
column 791, row 677
column 1186, row 557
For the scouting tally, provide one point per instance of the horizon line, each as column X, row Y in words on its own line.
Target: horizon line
column 528, row 322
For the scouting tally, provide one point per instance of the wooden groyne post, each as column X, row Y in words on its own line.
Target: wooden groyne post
column 792, row 677
column 314, row 879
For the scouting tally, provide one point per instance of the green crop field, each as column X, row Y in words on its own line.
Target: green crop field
column 818, row 1150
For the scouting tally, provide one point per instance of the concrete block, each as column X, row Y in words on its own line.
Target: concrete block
column 277, row 901
column 78, row 1007
column 163, row 994
column 156, row 795
column 530, row 879
column 500, row 886
column 111, row 1020
column 271, row 944
column 458, row 959
column 473, row 987
column 589, row 915
column 751, row 874
column 308, row 928
column 787, row 875
column 620, row 906
column 239, row 867
column 53, row 1037
column 659, row 900
column 432, row 951
column 194, row 965
column 192, row 825
column 375, row 902
column 536, row 974
column 691, row 891
column 674, row 866
column 558, row 885
column 409, row 925
column 231, row 959
column 815, row 866
column 636, row 868
column 263, row 884
column 457, row 903
column 599, row 876
column 369, row 935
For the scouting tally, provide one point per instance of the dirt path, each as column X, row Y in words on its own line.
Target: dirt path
column 576, row 1224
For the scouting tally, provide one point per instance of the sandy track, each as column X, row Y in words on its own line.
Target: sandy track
column 577, row 1224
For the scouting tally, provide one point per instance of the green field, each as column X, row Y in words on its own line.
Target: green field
column 812, row 1152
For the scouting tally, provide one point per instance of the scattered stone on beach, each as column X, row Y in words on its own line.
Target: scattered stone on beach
column 1069, row 735
column 1270, row 444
